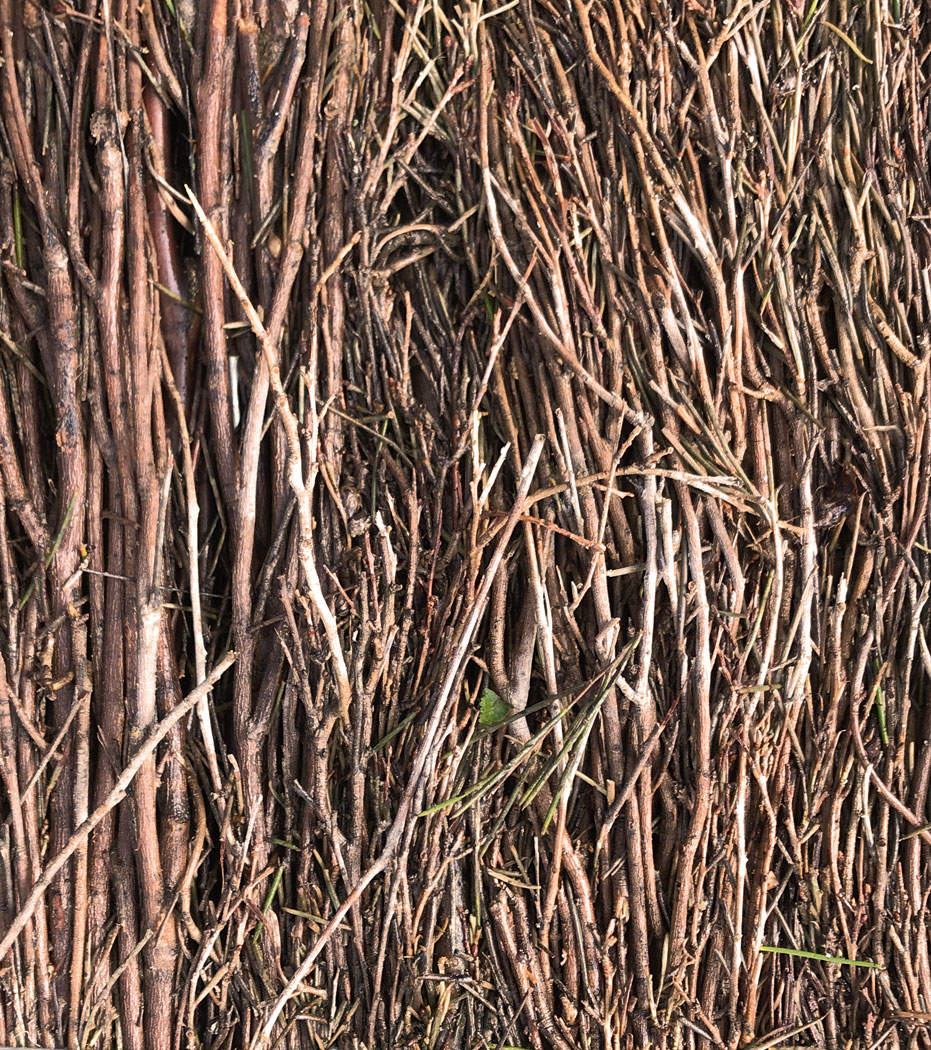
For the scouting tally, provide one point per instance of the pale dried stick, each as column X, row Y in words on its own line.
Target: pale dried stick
column 301, row 491
column 158, row 732
column 197, row 623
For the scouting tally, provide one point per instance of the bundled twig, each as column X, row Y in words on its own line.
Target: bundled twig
column 534, row 396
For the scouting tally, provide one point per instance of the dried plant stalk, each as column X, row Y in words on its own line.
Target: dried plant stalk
column 534, row 396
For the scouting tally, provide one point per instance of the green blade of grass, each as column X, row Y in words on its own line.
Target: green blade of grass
column 579, row 737
column 838, row 960
column 52, row 551
column 269, row 897
column 474, row 793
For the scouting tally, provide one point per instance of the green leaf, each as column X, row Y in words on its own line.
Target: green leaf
column 493, row 709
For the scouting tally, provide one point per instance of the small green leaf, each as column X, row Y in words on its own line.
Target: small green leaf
column 493, row 709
